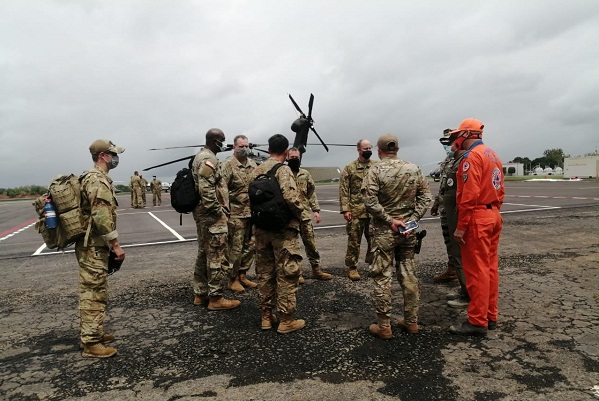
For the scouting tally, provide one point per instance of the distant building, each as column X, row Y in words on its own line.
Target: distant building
column 513, row 169
column 581, row 167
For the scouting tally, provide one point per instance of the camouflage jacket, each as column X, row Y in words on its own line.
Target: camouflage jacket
column 350, row 197
column 214, row 197
column 156, row 186
column 288, row 186
column 135, row 182
column 236, row 177
column 448, row 185
column 394, row 188
column 98, row 202
column 306, row 185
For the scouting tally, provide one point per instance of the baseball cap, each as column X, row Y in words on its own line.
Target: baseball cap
column 469, row 124
column 104, row 145
column 387, row 142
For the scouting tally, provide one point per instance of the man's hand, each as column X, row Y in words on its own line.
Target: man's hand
column 458, row 235
column 317, row 217
column 396, row 224
column 118, row 251
column 347, row 216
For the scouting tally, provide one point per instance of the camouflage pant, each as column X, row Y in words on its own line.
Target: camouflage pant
column 307, row 234
column 211, row 263
column 452, row 260
column 453, row 247
column 355, row 229
column 157, row 198
column 136, row 200
column 278, row 265
column 386, row 246
column 241, row 246
column 143, row 196
column 93, row 290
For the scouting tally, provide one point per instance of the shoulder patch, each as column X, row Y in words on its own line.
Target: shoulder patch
column 206, row 169
column 465, row 167
column 465, row 177
column 450, row 182
column 496, row 178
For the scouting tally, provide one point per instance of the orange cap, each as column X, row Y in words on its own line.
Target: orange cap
column 469, row 124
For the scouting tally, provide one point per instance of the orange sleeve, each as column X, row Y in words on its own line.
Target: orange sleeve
column 469, row 187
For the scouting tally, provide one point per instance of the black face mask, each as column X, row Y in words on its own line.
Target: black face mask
column 294, row 164
column 366, row 154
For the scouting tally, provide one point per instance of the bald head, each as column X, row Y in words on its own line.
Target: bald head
column 215, row 139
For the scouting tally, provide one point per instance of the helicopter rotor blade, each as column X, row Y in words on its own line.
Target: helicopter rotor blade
column 320, row 139
column 334, row 144
column 296, row 106
column 310, row 104
column 167, row 163
column 178, row 147
column 262, row 150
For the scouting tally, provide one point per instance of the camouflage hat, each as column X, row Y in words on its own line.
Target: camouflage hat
column 104, row 145
column 387, row 142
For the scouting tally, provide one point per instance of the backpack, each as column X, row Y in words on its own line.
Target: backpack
column 65, row 194
column 269, row 209
column 184, row 194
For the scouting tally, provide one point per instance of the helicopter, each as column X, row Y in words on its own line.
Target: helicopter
column 301, row 126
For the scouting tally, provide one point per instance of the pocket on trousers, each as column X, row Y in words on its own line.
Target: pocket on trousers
column 484, row 227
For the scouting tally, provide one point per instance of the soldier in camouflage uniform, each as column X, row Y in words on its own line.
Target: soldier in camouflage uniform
column 278, row 255
column 211, row 217
column 352, row 207
column 156, row 191
column 98, row 204
column 136, row 191
column 439, row 208
column 394, row 192
column 235, row 172
column 307, row 187
column 144, row 187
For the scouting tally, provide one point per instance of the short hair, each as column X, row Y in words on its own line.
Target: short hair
column 239, row 137
column 277, row 144
column 95, row 157
column 213, row 134
column 294, row 149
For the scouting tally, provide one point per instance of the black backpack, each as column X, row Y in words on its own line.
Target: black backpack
column 184, row 194
column 269, row 210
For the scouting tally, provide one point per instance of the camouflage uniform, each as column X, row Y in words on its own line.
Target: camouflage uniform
column 236, row 177
column 278, row 254
column 99, row 204
column 394, row 188
column 306, row 185
column 211, row 223
column 350, row 200
column 144, row 186
column 449, row 216
column 136, row 200
column 156, row 192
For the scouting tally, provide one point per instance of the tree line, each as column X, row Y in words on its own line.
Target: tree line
column 551, row 158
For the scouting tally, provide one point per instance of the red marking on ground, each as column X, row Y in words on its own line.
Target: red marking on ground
column 12, row 230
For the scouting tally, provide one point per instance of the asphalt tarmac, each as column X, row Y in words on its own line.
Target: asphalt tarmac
column 546, row 346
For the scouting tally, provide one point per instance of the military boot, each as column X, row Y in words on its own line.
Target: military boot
column 353, row 274
column 201, row 300
column 235, row 285
column 268, row 319
column 97, row 350
column 448, row 275
column 317, row 273
column 289, row 324
column 383, row 328
column 221, row 303
column 246, row 282
column 410, row 328
column 106, row 338
column 469, row 329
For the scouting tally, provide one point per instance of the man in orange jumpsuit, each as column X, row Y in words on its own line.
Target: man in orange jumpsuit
column 479, row 198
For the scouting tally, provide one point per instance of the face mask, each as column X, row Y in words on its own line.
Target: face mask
column 242, row 152
column 221, row 145
column 366, row 154
column 294, row 164
column 447, row 149
column 114, row 162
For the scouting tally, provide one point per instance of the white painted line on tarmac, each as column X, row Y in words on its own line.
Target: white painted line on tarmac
column 526, row 204
column 176, row 234
column 39, row 250
column 18, row 231
column 122, row 246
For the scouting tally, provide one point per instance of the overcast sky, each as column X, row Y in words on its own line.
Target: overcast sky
column 148, row 74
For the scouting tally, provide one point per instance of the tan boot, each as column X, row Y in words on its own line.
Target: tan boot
column 448, row 275
column 201, row 300
column 97, row 350
column 353, row 274
column 320, row 275
column 221, row 303
column 268, row 319
column 235, row 285
column 106, row 338
column 410, row 328
column 383, row 328
column 301, row 280
column 246, row 282
column 289, row 324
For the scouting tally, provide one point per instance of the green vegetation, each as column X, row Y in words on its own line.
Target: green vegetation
column 551, row 158
column 20, row 192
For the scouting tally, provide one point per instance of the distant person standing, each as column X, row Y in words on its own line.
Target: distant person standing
column 211, row 217
column 235, row 172
column 479, row 198
column 144, row 187
column 136, row 200
column 395, row 192
column 156, row 191
column 352, row 207
column 306, row 185
column 98, row 204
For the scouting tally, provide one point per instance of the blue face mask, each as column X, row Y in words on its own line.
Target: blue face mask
column 447, row 149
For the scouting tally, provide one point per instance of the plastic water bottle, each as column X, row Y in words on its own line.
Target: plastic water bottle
column 50, row 214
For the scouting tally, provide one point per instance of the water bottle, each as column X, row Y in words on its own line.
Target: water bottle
column 50, row 214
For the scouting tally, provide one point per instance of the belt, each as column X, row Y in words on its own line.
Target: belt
column 488, row 206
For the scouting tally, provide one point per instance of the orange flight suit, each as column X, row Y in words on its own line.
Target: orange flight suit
column 479, row 197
